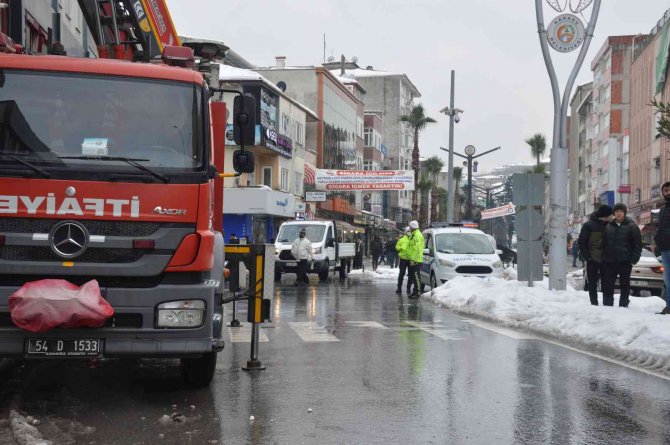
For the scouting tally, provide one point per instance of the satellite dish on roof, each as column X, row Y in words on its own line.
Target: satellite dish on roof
column 330, row 59
column 282, row 86
column 354, row 59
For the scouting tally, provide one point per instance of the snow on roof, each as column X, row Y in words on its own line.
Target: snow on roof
column 360, row 72
column 635, row 335
column 232, row 74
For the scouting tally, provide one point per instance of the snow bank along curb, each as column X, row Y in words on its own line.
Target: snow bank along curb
column 636, row 335
column 382, row 273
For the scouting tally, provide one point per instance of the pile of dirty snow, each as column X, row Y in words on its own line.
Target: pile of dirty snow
column 635, row 335
column 382, row 273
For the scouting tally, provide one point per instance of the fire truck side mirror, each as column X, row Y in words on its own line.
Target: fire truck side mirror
column 244, row 115
column 243, row 161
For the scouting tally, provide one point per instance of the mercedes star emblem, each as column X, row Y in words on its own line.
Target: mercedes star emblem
column 68, row 239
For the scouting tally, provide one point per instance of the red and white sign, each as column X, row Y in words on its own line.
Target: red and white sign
column 498, row 212
column 163, row 28
column 364, row 179
column 625, row 188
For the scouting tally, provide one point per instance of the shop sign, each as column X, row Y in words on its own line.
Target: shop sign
column 566, row 33
column 315, row 196
column 230, row 135
column 625, row 189
column 271, row 140
column 498, row 212
column 645, row 217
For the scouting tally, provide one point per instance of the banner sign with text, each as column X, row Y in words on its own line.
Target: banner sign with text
column 505, row 210
column 364, row 180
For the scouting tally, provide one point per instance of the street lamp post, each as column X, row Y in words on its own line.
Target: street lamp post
column 453, row 114
column 469, row 156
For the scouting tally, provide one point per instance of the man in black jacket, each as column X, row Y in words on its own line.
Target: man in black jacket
column 591, row 247
column 622, row 244
column 662, row 243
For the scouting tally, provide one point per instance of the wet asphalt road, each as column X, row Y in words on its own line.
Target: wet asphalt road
column 371, row 367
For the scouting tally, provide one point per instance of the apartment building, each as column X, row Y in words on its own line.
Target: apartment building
column 256, row 204
column 650, row 162
column 338, row 129
column 610, row 121
column 580, row 157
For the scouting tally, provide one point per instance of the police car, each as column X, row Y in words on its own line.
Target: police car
column 458, row 251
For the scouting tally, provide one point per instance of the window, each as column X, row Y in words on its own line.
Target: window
column 284, row 180
column 251, row 179
column 36, row 36
column 297, row 189
column 300, row 133
column 267, row 176
column 359, row 128
column 367, row 137
column 367, row 165
column 285, row 124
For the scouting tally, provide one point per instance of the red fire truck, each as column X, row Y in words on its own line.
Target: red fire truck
column 109, row 171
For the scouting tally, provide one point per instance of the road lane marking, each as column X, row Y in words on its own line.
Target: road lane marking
column 243, row 334
column 366, row 324
column 511, row 333
column 310, row 331
column 438, row 330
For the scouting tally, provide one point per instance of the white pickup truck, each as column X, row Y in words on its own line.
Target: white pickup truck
column 327, row 252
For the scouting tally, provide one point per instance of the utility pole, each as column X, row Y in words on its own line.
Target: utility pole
column 559, row 153
column 453, row 117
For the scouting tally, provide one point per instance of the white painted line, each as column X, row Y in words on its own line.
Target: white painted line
column 525, row 336
column 312, row 332
column 511, row 333
column 243, row 334
column 438, row 330
column 366, row 324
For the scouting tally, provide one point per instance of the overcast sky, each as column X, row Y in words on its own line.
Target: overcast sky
column 501, row 80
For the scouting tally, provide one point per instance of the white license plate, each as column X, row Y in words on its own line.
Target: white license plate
column 291, row 263
column 639, row 283
column 50, row 347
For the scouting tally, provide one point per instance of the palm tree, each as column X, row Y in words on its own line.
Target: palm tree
column 458, row 174
column 434, row 166
column 538, row 145
column 424, row 185
column 417, row 120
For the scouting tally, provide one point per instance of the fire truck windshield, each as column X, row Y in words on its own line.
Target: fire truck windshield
column 66, row 122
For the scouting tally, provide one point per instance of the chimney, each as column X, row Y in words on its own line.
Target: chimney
column 281, row 62
column 369, row 67
column 342, row 62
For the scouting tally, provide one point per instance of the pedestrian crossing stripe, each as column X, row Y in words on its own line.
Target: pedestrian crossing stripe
column 366, row 324
column 310, row 331
column 242, row 334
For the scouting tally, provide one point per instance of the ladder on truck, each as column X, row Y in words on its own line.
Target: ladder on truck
column 130, row 29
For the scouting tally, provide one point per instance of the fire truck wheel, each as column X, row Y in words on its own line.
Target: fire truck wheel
column 199, row 372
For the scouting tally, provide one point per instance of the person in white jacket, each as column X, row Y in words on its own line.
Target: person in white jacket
column 302, row 251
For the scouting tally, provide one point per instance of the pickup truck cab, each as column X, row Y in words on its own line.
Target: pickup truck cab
column 458, row 251
column 327, row 253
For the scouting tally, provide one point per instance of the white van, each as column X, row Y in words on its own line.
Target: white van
column 458, row 251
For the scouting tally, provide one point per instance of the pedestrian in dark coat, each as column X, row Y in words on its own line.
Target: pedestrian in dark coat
column 591, row 247
column 376, row 250
column 662, row 243
column 622, row 247
column 358, row 254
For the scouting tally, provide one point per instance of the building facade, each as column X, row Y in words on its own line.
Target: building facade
column 650, row 163
column 393, row 95
column 581, row 134
column 37, row 24
column 338, row 128
column 610, row 120
column 255, row 204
